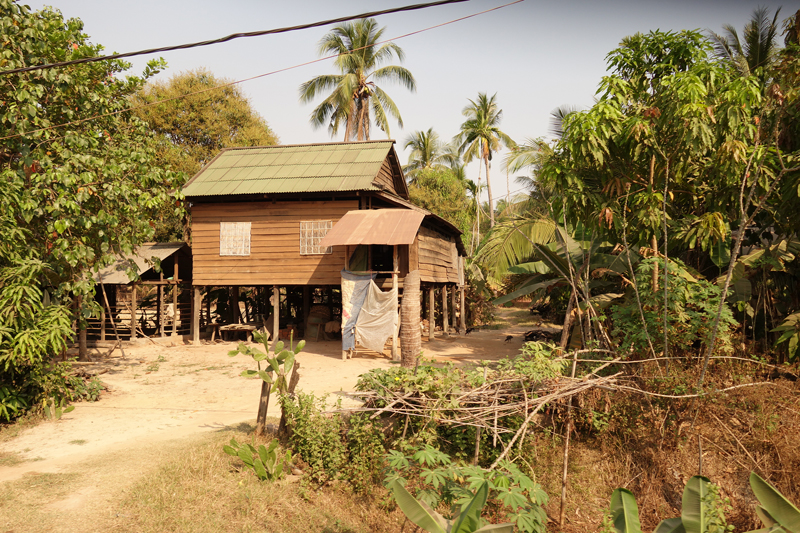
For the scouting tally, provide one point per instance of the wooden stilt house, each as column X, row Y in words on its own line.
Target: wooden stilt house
column 259, row 217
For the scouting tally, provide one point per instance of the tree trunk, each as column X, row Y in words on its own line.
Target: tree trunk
column 263, row 405
column 567, row 321
column 489, row 190
column 410, row 334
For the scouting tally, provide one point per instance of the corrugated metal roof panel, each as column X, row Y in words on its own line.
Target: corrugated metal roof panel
column 324, row 167
column 376, row 226
column 115, row 274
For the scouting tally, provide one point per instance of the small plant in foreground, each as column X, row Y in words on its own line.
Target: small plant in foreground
column 264, row 461
column 466, row 518
column 703, row 510
column 438, row 481
column 335, row 447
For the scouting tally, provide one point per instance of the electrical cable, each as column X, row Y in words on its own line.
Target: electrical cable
column 231, row 37
column 117, row 112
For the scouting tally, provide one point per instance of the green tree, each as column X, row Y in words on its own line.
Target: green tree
column 73, row 195
column 193, row 126
column 481, row 136
column 441, row 192
column 428, row 151
column 193, row 121
column 757, row 50
column 355, row 98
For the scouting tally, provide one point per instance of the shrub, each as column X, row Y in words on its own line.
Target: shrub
column 441, row 482
column 335, row 447
column 691, row 310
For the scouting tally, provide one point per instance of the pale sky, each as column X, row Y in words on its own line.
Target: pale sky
column 535, row 55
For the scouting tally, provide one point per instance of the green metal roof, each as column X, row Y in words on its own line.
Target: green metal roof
column 288, row 169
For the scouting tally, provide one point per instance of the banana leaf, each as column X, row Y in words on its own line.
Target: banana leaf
column 670, row 525
column 693, row 513
column 418, row 512
column 775, row 504
column 624, row 512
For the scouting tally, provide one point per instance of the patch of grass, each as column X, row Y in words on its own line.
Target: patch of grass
column 22, row 506
column 213, row 368
column 79, row 442
column 10, row 459
column 10, row 431
column 205, row 490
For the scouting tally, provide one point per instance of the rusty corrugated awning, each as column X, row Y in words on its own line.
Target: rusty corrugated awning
column 375, row 226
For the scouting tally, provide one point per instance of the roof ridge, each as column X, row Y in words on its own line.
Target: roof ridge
column 341, row 143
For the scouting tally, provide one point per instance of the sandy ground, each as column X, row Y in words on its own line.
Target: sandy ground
column 173, row 392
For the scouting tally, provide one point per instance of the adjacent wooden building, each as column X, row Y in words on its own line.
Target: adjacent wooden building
column 259, row 217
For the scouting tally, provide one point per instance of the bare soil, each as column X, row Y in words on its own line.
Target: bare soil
column 162, row 397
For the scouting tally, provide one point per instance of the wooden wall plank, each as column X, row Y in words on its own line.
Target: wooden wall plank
column 274, row 244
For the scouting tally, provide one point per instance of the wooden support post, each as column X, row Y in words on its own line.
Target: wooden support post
column 175, row 291
column 306, row 304
column 236, row 316
column 83, row 351
column 463, row 313
column 160, row 309
column 431, row 314
column 103, row 324
column 133, row 311
column 197, row 304
column 445, row 329
column 276, row 313
column 453, row 309
column 395, row 273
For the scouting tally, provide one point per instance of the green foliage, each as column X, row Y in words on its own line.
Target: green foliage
column 481, row 136
column 12, row 404
column 440, row 191
column 193, row 128
column 467, row 519
column 703, row 511
column 264, row 461
column 440, row 482
column 625, row 512
column 73, row 196
column 335, row 448
column 790, row 331
column 691, row 310
column 776, row 512
column 281, row 363
column 55, row 410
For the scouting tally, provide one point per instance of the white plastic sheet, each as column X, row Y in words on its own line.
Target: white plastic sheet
column 377, row 320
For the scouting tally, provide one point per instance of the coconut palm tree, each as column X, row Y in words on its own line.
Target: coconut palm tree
column 355, row 98
column 481, row 136
column 428, row 151
column 758, row 47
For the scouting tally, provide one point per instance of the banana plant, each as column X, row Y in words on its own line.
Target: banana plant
column 264, row 461
column 625, row 512
column 695, row 512
column 776, row 512
column 467, row 518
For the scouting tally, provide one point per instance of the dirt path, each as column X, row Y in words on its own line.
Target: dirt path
column 164, row 395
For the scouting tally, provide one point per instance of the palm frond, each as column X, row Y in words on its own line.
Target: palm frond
column 511, row 242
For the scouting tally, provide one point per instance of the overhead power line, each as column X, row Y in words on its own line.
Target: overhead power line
column 236, row 82
column 413, row 7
